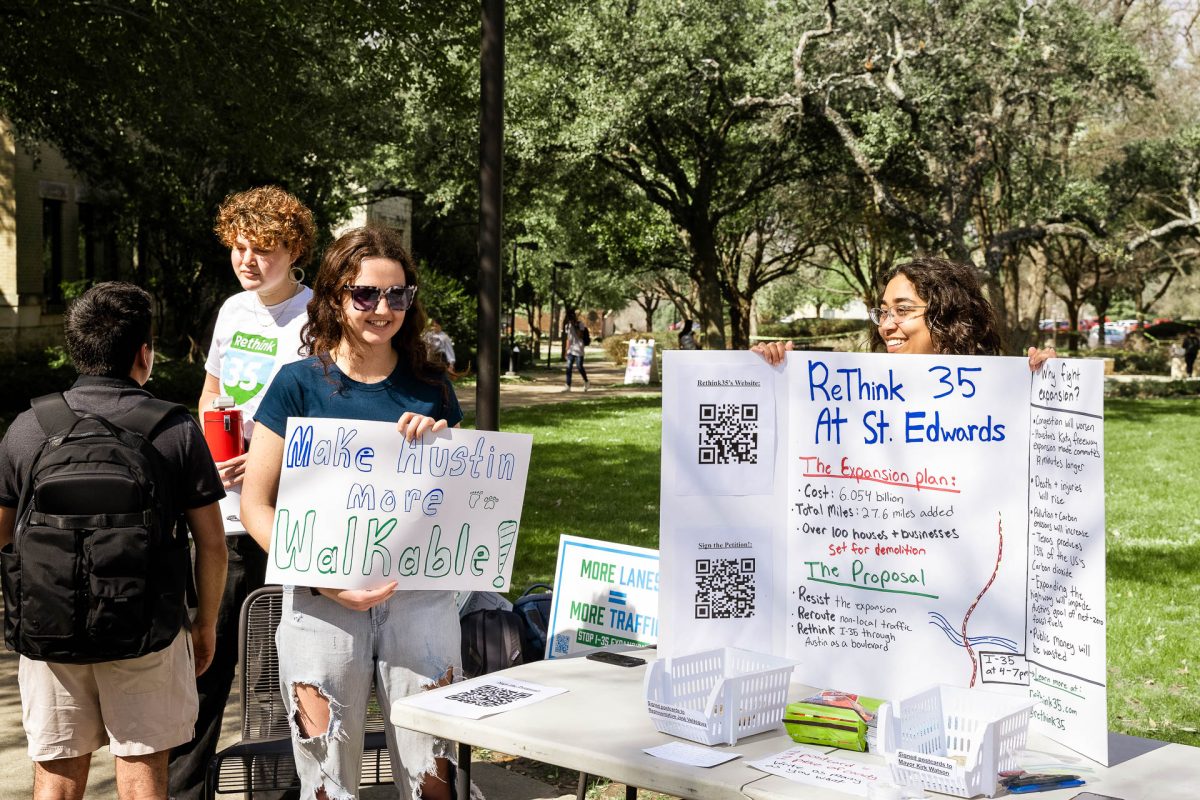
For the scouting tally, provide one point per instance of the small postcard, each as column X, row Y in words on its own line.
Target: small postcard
column 815, row 768
column 691, row 755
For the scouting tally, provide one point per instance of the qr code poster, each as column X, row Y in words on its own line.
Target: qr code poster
column 724, row 430
column 605, row 597
column 725, row 579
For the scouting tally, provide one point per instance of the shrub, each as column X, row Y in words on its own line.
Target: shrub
column 810, row 328
column 1151, row 361
column 1148, row 389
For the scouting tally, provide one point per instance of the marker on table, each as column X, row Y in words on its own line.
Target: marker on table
column 1066, row 782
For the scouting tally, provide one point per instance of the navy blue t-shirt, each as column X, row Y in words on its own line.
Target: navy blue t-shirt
column 303, row 389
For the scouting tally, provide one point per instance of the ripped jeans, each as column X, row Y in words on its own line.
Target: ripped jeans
column 406, row 644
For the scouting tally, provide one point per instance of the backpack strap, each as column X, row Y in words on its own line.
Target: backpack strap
column 144, row 418
column 53, row 413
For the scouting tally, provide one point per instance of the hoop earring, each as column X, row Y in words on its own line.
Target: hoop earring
column 294, row 271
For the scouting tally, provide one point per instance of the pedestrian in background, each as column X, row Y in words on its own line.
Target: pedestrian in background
column 577, row 338
column 441, row 346
column 687, row 338
column 1191, row 346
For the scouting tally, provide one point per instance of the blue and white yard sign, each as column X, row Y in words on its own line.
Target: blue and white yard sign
column 604, row 594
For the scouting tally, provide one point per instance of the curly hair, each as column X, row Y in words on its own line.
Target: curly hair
column 960, row 319
column 340, row 265
column 268, row 217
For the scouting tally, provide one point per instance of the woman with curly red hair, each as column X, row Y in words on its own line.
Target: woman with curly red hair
column 270, row 235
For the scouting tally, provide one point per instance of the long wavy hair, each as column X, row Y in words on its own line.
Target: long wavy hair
column 326, row 326
column 960, row 319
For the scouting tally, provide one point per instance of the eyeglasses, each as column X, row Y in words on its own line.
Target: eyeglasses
column 899, row 313
column 366, row 298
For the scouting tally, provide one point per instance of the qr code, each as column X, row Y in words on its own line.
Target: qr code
column 562, row 644
column 725, row 588
column 728, row 433
column 488, row 695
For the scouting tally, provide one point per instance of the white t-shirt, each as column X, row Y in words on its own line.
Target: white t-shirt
column 251, row 342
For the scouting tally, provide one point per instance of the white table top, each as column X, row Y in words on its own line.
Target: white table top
column 600, row 726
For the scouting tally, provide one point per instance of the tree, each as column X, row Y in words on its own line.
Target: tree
column 955, row 115
column 650, row 88
column 166, row 108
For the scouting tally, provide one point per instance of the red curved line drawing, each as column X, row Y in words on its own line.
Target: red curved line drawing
column 978, row 597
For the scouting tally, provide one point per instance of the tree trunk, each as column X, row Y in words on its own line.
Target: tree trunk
column 706, row 274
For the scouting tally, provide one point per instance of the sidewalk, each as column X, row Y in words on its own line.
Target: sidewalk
column 539, row 386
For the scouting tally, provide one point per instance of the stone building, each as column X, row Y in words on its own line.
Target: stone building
column 53, row 232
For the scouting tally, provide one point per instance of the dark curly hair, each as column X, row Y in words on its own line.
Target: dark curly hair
column 339, row 266
column 961, row 321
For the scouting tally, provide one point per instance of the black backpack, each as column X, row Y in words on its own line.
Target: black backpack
column 491, row 641
column 585, row 335
column 99, row 565
column 533, row 607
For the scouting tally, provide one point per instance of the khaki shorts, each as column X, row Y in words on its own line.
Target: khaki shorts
column 137, row 707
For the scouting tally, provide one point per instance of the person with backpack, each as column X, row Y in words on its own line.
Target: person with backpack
column 369, row 362
column 95, row 485
column 577, row 337
column 270, row 235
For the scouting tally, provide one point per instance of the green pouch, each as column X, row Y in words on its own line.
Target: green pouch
column 832, row 719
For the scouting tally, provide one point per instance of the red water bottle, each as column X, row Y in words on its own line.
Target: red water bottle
column 223, row 430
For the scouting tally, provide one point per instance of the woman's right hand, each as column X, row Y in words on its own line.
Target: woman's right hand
column 232, row 471
column 360, row 599
column 774, row 352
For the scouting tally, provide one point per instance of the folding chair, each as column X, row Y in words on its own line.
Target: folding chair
column 262, row 760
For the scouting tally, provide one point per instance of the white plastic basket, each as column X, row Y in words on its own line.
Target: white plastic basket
column 715, row 696
column 954, row 740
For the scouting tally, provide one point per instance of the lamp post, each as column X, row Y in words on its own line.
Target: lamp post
column 512, row 310
column 554, row 268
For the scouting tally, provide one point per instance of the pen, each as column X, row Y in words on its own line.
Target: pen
column 1031, row 779
column 1045, row 787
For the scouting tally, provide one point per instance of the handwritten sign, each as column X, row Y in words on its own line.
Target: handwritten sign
column 604, row 594
column 932, row 511
column 830, row 771
column 359, row 507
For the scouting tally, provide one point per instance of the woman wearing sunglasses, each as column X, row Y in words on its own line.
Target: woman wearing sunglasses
column 369, row 362
column 929, row 306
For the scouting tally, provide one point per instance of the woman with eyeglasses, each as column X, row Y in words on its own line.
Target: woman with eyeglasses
column 929, row 306
column 369, row 362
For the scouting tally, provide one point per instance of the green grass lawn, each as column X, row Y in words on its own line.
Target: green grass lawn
column 595, row 472
column 1152, row 476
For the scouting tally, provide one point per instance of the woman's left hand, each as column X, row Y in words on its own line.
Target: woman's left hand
column 1039, row 357
column 360, row 599
column 414, row 426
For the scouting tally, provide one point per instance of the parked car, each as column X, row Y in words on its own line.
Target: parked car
column 1114, row 334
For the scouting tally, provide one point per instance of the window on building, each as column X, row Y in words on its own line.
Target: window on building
column 52, row 253
column 97, row 243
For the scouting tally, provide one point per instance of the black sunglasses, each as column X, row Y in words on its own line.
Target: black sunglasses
column 365, row 298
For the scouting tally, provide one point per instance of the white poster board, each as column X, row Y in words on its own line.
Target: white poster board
column 639, row 361
column 605, row 594
column 359, row 507
column 901, row 519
